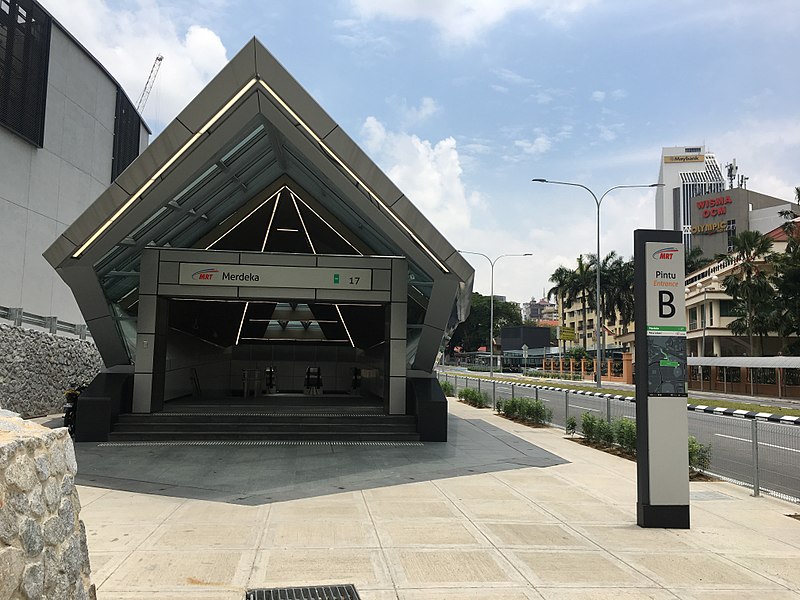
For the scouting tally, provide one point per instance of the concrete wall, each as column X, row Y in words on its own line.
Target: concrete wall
column 43, row 551
column 36, row 367
column 43, row 190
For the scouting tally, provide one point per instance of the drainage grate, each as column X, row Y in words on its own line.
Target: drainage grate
column 326, row 592
column 255, row 443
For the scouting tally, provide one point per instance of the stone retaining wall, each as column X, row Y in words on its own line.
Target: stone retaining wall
column 43, row 552
column 36, row 367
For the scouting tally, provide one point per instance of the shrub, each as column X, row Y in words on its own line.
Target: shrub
column 699, row 455
column 511, row 408
column 625, row 434
column 526, row 409
column 474, row 397
column 537, row 412
column 604, row 432
column 589, row 426
column 447, row 388
column 572, row 425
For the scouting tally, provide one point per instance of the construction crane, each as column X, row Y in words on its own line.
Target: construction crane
column 148, row 87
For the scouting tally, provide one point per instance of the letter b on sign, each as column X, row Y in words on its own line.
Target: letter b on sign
column 666, row 304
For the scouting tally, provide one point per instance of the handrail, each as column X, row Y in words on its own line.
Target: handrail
column 53, row 324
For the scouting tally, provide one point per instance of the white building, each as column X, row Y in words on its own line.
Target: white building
column 685, row 172
column 67, row 129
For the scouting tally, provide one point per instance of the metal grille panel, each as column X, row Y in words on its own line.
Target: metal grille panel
column 127, row 129
column 327, row 592
column 24, row 58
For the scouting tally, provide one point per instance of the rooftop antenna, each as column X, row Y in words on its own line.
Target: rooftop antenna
column 732, row 171
column 148, row 86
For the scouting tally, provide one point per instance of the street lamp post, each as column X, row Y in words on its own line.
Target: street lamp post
column 598, row 311
column 491, row 309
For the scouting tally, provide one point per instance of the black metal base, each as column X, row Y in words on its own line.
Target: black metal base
column 427, row 401
column 662, row 516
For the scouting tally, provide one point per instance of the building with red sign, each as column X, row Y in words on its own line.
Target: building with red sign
column 685, row 173
column 716, row 217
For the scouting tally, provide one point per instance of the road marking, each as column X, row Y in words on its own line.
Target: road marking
column 585, row 408
column 749, row 441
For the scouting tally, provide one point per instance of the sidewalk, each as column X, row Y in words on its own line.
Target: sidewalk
column 501, row 511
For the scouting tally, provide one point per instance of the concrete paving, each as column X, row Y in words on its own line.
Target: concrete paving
column 502, row 511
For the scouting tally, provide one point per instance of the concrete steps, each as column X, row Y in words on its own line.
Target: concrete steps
column 295, row 418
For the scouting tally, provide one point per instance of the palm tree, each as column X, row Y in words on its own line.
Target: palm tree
column 748, row 282
column 694, row 260
column 785, row 317
column 562, row 281
column 581, row 288
column 618, row 292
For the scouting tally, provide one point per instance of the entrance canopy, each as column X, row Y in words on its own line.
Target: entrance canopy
column 254, row 164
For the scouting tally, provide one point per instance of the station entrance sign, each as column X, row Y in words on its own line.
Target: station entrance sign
column 666, row 320
column 661, row 382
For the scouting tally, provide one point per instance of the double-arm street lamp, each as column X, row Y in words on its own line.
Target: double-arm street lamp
column 491, row 308
column 598, row 312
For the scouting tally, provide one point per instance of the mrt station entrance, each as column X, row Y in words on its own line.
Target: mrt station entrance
column 247, row 327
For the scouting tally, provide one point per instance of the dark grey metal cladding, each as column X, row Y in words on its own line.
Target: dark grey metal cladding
column 281, row 81
column 232, row 78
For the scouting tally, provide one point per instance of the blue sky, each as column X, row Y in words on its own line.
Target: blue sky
column 463, row 102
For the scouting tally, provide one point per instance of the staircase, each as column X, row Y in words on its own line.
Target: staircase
column 284, row 417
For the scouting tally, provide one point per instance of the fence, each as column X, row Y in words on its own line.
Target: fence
column 18, row 317
column 750, row 452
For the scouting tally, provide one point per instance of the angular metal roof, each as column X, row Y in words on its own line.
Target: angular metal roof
column 252, row 132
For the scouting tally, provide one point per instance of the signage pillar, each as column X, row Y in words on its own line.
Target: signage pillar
column 661, row 380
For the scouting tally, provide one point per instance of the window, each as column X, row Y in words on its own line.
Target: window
column 127, row 128
column 692, row 318
column 731, row 234
column 24, row 57
column 726, row 308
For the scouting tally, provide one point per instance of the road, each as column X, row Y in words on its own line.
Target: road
column 730, row 437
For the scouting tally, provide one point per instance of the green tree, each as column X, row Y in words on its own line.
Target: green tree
column 582, row 285
column 785, row 315
column 562, row 280
column 748, row 284
column 694, row 260
column 616, row 288
column 474, row 332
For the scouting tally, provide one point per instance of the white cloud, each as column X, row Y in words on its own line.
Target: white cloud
column 512, row 77
column 542, row 97
column 413, row 115
column 499, row 88
column 608, row 133
column 619, row 94
column 126, row 41
column 355, row 35
column 428, row 173
column 598, row 96
column 463, row 21
column 538, row 146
